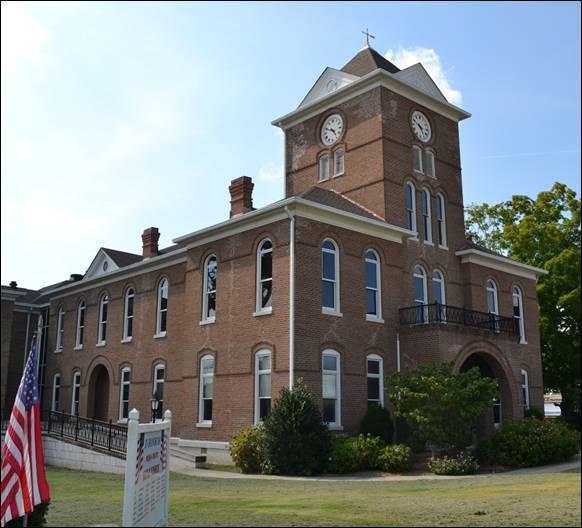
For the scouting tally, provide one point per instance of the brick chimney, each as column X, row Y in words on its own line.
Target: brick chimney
column 241, row 196
column 150, row 238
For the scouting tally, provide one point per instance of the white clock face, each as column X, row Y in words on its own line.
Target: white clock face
column 332, row 129
column 420, row 126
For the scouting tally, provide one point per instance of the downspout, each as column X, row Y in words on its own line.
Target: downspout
column 26, row 338
column 397, row 352
column 291, row 297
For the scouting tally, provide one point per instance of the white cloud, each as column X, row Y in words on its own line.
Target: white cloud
column 271, row 172
column 428, row 57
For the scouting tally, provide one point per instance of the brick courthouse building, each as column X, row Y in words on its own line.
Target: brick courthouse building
column 362, row 269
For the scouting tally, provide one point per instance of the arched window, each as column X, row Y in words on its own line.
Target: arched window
column 56, row 400
column 262, row 385
column 375, row 369
column 373, row 286
column 265, row 277
column 331, row 388
column 324, row 167
column 426, row 217
column 518, row 313
column 76, row 389
column 438, row 295
column 162, row 313
column 420, row 294
column 338, row 161
column 124, row 382
column 80, row 334
column 525, row 390
column 492, row 305
column 158, row 387
column 128, row 315
column 430, row 167
column 441, row 221
column 417, row 158
column 206, row 390
column 330, row 295
column 60, row 329
column 209, row 298
column 102, row 330
column 410, row 207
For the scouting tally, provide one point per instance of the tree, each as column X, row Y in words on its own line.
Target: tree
column 440, row 405
column 544, row 232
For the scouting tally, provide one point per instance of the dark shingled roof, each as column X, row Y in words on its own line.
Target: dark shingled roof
column 367, row 61
column 38, row 296
column 122, row 258
column 469, row 244
column 337, row 201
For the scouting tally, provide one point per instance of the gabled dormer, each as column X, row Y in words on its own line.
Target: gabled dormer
column 108, row 260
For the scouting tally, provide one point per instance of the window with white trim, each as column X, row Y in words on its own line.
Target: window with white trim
column 492, row 305
column 124, row 383
column 338, row 161
column 60, row 328
column 162, row 311
column 518, row 313
column 430, row 167
column 324, row 167
column 76, row 389
column 417, row 158
column 441, row 221
column 128, row 315
column 373, row 286
column 410, row 207
column 265, row 277
column 80, row 334
column 426, row 217
column 524, row 390
column 262, row 385
column 330, row 277
column 102, row 330
column 209, row 297
column 438, row 295
column 56, row 400
column 331, row 388
column 206, row 390
column 158, row 386
column 420, row 294
column 375, row 370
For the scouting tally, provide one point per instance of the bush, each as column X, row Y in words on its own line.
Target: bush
column 368, row 449
column 297, row 442
column 246, row 449
column 532, row 442
column 532, row 412
column 377, row 422
column 461, row 464
column 395, row 458
column 355, row 454
column 36, row 518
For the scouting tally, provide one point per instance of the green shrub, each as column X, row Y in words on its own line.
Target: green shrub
column 344, row 455
column 297, row 442
column 36, row 518
column 461, row 464
column 246, row 449
column 532, row 412
column 395, row 458
column 531, row 442
column 369, row 449
column 377, row 422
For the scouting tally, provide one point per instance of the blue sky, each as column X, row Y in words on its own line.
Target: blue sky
column 120, row 116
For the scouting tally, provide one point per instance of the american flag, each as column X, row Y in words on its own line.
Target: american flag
column 24, row 483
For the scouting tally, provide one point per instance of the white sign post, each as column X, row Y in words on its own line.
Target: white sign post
column 147, row 472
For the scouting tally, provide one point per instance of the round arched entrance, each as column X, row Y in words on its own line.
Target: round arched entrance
column 98, row 402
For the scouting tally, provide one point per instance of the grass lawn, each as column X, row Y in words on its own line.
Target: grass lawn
column 83, row 498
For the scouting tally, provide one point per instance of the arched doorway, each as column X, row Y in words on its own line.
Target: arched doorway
column 98, row 401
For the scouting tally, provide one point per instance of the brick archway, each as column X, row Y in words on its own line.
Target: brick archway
column 98, row 394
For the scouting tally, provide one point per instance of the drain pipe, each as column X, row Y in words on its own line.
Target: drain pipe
column 291, row 297
column 397, row 352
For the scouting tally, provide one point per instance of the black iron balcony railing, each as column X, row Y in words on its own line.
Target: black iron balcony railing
column 443, row 313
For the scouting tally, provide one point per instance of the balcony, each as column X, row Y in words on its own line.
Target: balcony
column 444, row 314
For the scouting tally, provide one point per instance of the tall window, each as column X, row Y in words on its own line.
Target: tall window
column 158, row 387
column 128, row 315
column 102, row 331
column 417, row 158
column 375, row 380
column 338, row 162
column 438, row 295
column 262, row 385
column 324, row 167
column 265, row 276
column 497, row 409
column 209, row 297
column 441, row 221
column 518, row 313
column 329, row 277
column 373, row 286
column 420, row 294
column 124, row 381
column 410, row 207
column 525, row 390
column 492, row 305
column 76, row 389
column 80, row 334
column 206, row 389
column 55, row 404
column 331, row 388
column 162, row 315
column 60, row 328
column 426, row 217
column 430, row 168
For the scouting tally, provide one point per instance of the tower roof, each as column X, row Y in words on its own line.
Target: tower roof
column 368, row 60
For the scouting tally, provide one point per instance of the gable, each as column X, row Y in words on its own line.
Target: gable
column 102, row 264
column 417, row 77
column 329, row 81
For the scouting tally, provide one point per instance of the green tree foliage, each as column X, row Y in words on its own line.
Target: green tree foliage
column 377, row 422
column 441, row 405
column 544, row 232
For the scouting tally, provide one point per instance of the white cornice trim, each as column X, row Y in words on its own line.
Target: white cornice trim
column 378, row 77
column 497, row 262
column 11, row 292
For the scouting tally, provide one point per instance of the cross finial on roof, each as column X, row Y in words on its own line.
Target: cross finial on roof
column 368, row 35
